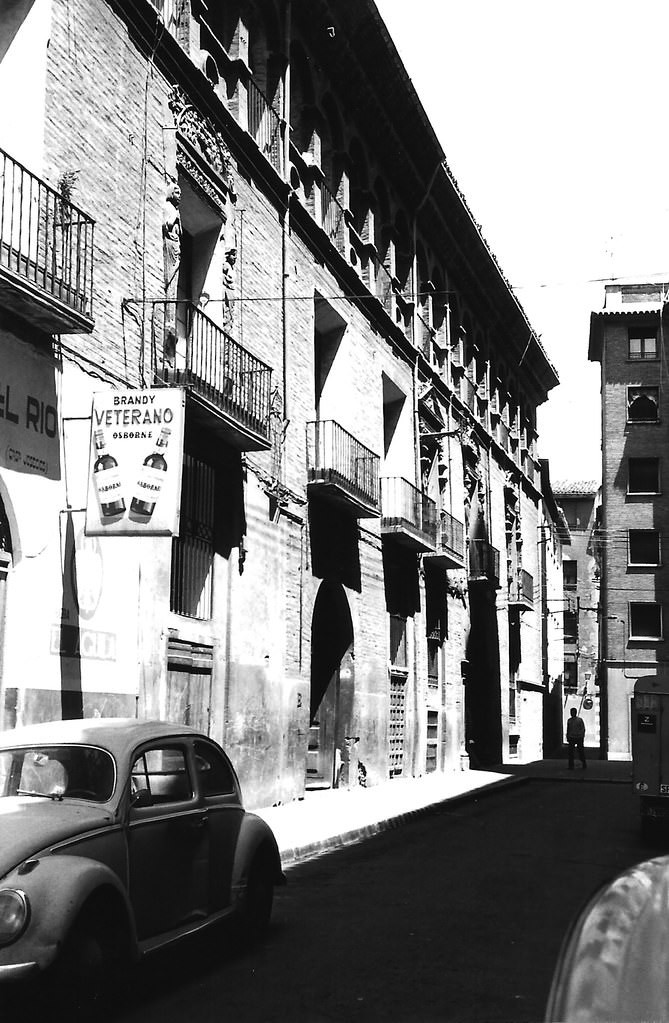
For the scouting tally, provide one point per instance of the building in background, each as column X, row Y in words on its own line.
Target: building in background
column 554, row 539
column 627, row 339
column 580, row 503
column 331, row 561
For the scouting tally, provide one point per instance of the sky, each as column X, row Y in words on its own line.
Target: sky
column 551, row 117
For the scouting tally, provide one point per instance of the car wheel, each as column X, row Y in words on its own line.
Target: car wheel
column 256, row 907
column 93, row 960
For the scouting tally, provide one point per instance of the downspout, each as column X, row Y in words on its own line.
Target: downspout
column 286, row 217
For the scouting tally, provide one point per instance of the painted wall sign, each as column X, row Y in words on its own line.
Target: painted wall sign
column 29, row 428
column 136, row 457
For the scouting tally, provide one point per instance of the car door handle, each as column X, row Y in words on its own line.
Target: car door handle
column 191, row 823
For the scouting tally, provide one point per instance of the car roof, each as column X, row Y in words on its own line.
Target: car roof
column 120, row 735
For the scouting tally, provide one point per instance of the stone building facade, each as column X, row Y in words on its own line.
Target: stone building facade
column 579, row 500
column 627, row 339
column 245, row 205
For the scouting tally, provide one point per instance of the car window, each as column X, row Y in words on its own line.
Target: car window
column 213, row 770
column 79, row 772
column 163, row 774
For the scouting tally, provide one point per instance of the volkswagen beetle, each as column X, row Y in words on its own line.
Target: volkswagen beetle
column 118, row 836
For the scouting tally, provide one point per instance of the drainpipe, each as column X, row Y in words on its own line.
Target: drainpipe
column 286, row 217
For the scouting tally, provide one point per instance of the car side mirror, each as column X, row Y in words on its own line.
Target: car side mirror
column 140, row 799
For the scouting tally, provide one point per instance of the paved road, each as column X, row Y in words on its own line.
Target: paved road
column 457, row 915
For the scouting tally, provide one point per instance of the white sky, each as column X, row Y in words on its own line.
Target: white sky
column 551, row 116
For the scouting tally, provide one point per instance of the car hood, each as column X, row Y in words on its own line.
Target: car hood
column 29, row 825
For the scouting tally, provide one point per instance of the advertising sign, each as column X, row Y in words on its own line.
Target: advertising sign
column 136, row 455
column 29, row 434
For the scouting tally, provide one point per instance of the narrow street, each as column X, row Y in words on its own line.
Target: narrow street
column 457, row 915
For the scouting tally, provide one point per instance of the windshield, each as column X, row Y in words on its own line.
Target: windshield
column 57, row 772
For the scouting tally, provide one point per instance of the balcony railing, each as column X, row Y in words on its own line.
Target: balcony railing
column 265, row 125
column 46, row 253
column 190, row 350
column 342, row 468
column 450, row 549
column 521, row 591
column 407, row 514
column 483, row 561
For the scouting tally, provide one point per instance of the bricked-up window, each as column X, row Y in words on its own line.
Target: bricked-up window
column 645, row 620
column 570, row 574
column 191, row 590
column 643, row 476
column 432, row 748
column 644, row 547
column 642, row 404
column 643, row 343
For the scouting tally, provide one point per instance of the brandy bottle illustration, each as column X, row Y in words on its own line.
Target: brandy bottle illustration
column 107, row 480
column 150, row 481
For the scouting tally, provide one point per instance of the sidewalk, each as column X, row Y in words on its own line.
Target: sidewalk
column 333, row 818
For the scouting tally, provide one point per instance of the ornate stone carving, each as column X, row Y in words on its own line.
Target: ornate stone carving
column 204, row 138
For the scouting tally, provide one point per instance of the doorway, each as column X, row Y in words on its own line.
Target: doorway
column 332, row 685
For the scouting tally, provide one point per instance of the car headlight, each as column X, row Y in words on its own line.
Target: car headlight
column 14, row 914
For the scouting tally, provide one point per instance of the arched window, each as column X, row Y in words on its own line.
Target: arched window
column 642, row 404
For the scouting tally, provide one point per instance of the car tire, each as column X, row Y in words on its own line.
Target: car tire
column 256, row 906
column 93, row 960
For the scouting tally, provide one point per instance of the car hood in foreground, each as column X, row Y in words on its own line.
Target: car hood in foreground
column 30, row 824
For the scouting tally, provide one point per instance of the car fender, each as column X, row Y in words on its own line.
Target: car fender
column 255, row 838
column 57, row 888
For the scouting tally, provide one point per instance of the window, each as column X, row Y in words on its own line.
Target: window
column 645, row 620
column 433, row 663
column 193, row 550
column 398, row 642
column 570, row 676
column 643, row 547
column 643, row 476
column 642, row 404
column 571, row 625
column 431, row 753
column 513, row 704
column 643, row 343
column 163, row 775
column 570, row 574
column 213, row 771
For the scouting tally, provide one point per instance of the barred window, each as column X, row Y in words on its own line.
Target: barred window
column 191, row 590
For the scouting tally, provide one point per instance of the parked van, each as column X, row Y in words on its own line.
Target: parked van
column 650, row 748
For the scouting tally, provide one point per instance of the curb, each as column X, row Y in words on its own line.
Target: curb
column 294, row 857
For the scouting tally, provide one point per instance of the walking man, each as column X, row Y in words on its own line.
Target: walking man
column 575, row 737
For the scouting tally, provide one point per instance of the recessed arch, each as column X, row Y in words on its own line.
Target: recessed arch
column 332, row 683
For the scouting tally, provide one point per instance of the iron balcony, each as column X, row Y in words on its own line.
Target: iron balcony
column 408, row 515
column 228, row 388
column 46, row 253
column 450, row 547
column 483, row 562
column 342, row 469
